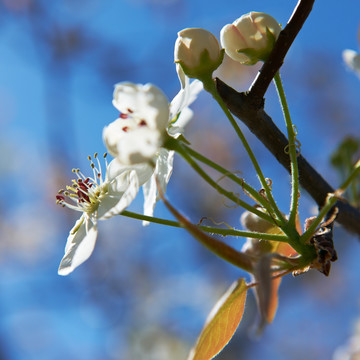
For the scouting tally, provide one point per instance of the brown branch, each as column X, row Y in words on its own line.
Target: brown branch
column 260, row 124
column 281, row 47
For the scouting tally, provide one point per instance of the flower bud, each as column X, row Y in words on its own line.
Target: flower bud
column 197, row 51
column 250, row 38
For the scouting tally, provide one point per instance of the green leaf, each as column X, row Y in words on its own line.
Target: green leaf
column 221, row 323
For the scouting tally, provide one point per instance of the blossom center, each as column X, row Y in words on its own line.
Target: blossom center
column 132, row 122
column 85, row 193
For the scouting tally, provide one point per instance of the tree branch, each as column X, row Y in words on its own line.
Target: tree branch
column 262, row 126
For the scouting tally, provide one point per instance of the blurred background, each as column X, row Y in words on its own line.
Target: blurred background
column 145, row 292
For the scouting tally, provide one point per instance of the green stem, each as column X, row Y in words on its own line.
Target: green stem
column 175, row 145
column 246, row 187
column 209, row 86
column 355, row 172
column 292, row 151
column 330, row 202
column 208, row 229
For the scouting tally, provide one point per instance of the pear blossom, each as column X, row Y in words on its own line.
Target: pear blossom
column 97, row 198
column 250, row 38
column 197, row 52
column 352, row 60
column 138, row 135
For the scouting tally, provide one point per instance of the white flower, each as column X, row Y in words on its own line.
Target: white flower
column 137, row 136
column 250, row 38
column 352, row 60
column 180, row 115
column 97, row 198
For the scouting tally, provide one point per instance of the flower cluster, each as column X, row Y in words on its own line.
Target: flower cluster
column 136, row 141
column 142, row 141
column 137, row 138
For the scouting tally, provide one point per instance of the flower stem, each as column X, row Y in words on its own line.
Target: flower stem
column 331, row 199
column 330, row 202
column 292, row 151
column 209, row 86
column 208, row 229
column 355, row 172
column 178, row 147
column 246, row 187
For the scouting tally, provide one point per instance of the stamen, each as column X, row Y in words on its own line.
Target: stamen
column 125, row 128
column 130, row 111
column 142, row 123
column 60, row 198
column 84, row 192
column 123, row 116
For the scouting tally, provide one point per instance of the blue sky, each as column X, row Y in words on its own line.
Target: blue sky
column 153, row 285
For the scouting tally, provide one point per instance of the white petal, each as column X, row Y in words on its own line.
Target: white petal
column 123, row 200
column 117, row 177
column 79, row 246
column 181, row 75
column 114, row 133
column 185, row 97
column 352, row 60
column 164, row 166
column 145, row 102
column 139, row 146
column 179, row 126
column 150, row 194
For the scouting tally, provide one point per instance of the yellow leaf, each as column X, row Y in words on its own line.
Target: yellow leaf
column 221, row 323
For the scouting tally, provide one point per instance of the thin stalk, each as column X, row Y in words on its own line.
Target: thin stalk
column 175, row 145
column 330, row 202
column 315, row 224
column 209, row 86
column 292, row 151
column 208, row 229
column 246, row 187
column 355, row 172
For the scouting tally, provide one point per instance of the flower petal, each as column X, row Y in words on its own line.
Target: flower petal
column 79, row 246
column 123, row 200
column 163, row 170
column 143, row 102
column 116, row 175
column 139, row 146
column 185, row 97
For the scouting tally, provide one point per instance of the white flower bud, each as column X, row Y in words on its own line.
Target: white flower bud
column 250, row 38
column 197, row 51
